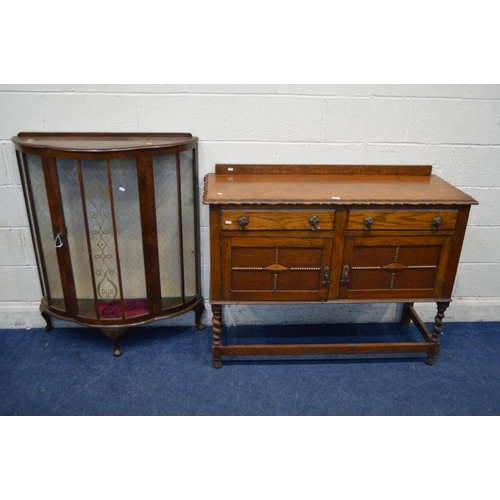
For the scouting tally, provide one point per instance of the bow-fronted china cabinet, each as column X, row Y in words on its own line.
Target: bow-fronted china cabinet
column 115, row 225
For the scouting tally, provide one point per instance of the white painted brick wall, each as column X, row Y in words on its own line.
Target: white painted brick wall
column 455, row 128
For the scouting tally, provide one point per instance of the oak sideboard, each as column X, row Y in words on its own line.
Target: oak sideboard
column 285, row 234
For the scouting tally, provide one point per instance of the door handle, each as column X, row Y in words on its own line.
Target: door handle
column 58, row 242
column 326, row 275
column 345, row 274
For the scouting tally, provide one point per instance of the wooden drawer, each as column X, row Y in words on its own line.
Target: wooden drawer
column 277, row 220
column 401, row 220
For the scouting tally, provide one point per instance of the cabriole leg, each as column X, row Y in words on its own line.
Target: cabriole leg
column 114, row 334
column 216, row 331
column 436, row 331
column 48, row 320
column 198, row 312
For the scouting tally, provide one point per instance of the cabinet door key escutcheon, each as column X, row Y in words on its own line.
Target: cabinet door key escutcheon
column 345, row 274
column 326, row 276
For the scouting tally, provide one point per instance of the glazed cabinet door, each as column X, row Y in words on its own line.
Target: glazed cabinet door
column 100, row 204
column 87, row 228
column 47, row 228
column 394, row 267
column 276, row 268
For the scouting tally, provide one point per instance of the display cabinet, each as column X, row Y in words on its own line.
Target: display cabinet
column 114, row 221
column 284, row 234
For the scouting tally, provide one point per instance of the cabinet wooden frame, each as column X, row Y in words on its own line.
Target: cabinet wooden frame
column 392, row 234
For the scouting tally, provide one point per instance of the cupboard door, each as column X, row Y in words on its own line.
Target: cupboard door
column 262, row 269
column 394, row 267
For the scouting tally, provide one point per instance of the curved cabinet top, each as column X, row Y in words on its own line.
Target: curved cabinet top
column 103, row 143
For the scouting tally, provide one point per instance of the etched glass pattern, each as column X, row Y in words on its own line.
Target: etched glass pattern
column 39, row 192
column 101, row 230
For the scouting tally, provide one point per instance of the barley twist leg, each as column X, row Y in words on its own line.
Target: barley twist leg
column 436, row 331
column 216, row 331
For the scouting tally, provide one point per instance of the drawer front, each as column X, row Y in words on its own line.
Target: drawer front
column 277, row 220
column 401, row 220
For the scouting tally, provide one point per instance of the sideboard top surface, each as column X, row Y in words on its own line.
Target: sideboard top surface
column 101, row 142
column 322, row 185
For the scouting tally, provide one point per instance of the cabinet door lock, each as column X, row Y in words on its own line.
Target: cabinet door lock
column 345, row 274
column 326, row 275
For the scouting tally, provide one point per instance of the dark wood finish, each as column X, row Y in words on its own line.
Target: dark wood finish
column 380, row 234
column 59, row 227
column 48, row 320
column 103, row 142
column 216, row 332
column 140, row 151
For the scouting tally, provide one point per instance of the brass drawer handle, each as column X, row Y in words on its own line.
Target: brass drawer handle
column 436, row 223
column 243, row 221
column 314, row 220
column 368, row 223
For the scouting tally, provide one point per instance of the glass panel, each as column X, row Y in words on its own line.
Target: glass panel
column 129, row 234
column 188, row 224
column 42, row 210
column 166, row 199
column 101, row 232
column 76, row 235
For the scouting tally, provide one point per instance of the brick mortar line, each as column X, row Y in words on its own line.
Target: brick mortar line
column 222, row 94
column 361, row 144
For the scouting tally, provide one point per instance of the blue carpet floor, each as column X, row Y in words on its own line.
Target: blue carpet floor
column 168, row 371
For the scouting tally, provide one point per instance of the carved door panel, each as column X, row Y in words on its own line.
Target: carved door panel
column 394, row 267
column 262, row 269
